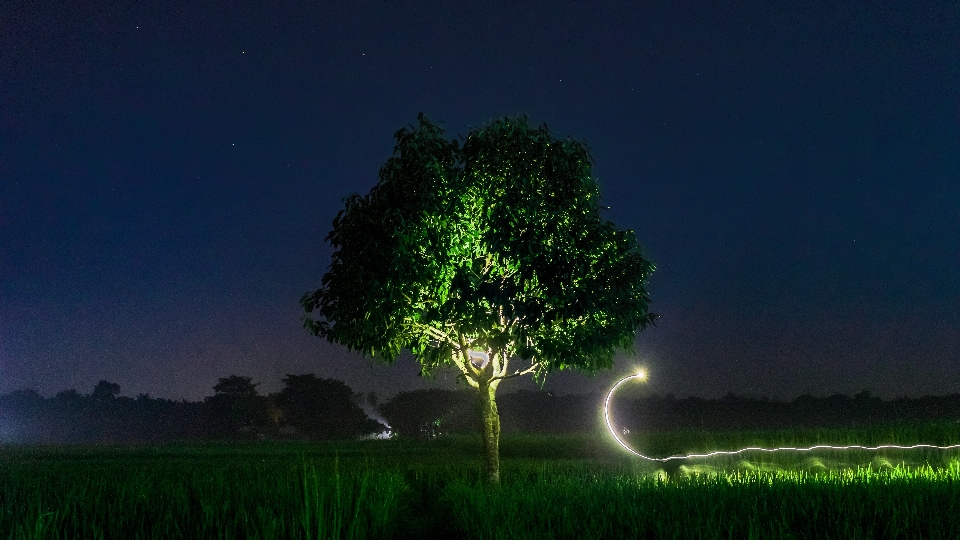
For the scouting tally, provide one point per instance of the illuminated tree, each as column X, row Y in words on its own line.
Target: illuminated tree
column 483, row 256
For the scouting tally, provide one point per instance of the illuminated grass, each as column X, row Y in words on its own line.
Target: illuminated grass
column 865, row 503
column 559, row 487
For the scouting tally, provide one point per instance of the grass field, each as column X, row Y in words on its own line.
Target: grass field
column 553, row 487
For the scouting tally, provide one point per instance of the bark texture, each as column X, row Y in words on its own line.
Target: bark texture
column 490, row 427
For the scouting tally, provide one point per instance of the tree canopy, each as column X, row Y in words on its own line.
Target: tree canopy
column 235, row 385
column 494, row 245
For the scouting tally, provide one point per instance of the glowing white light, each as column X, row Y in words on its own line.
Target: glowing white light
column 483, row 358
column 642, row 375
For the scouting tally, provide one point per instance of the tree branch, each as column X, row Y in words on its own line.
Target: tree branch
column 438, row 335
column 506, row 363
column 469, row 377
column 498, row 367
column 465, row 361
column 530, row 369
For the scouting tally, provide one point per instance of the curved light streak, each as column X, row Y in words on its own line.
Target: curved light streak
column 642, row 375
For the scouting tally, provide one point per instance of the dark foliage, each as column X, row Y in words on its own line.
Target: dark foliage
column 734, row 412
column 425, row 414
column 428, row 413
column 317, row 408
column 323, row 409
column 235, row 411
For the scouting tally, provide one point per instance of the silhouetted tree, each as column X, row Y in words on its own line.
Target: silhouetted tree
column 105, row 391
column 323, row 408
column 428, row 413
column 236, row 409
column 236, row 385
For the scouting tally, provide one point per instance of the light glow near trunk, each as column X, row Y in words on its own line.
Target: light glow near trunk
column 642, row 375
column 479, row 359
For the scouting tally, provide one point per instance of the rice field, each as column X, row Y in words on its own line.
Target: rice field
column 553, row 487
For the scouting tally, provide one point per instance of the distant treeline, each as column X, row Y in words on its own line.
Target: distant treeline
column 309, row 407
column 734, row 412
column 426, row 413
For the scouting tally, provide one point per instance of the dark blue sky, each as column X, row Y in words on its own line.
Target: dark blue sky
column 168, row 171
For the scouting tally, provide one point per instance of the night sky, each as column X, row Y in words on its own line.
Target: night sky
column 169, row 170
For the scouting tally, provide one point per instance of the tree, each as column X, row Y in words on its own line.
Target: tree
column 323, row 408
column 480, row 255
column 236, row 409
column 427, row 413
column 235, row 385
column 105, row 391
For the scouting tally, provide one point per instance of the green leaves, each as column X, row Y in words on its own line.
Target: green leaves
column 499, row 241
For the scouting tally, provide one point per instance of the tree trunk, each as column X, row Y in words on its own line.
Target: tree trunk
column 490, row 425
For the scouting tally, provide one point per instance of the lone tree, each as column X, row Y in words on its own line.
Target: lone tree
column 483, row 255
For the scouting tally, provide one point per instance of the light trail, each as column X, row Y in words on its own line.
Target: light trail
column 642, row 375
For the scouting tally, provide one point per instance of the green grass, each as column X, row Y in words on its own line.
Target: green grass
column 194, row 496
column 553, row 487
column 866, row 503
